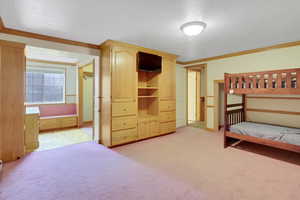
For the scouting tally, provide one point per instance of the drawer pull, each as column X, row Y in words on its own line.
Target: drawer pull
column 125, row 109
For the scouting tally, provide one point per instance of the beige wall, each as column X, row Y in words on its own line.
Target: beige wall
column 290, row 105
column 269, row 60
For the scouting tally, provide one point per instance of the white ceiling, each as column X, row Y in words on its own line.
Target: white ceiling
column 56, row 55
column 233, row 25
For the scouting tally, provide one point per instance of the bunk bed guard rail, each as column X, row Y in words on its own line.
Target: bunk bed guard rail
column 267, row 82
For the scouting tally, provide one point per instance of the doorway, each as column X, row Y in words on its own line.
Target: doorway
column 196, row 96
column 55, row 92
column 219, row 104
column 86, row 95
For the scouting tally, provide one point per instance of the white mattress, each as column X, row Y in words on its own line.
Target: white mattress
column 277, row 133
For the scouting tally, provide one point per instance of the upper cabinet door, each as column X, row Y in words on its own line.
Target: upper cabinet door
column 124, row 74
column 168, row 79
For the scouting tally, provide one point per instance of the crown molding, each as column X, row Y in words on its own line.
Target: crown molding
column 11, row 31
column 1, row 24
column 240, row 53
column 139, row 48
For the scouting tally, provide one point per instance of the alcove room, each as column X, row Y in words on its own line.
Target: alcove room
column 143, row 100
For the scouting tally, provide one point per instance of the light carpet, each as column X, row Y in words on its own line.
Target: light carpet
column 197, row 157
column 56, row 139
column 88, row 171
column 190, row 164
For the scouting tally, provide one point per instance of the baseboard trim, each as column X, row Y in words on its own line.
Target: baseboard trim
column 210, row 129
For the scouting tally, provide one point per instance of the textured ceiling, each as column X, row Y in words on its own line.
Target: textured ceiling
column 233, row 25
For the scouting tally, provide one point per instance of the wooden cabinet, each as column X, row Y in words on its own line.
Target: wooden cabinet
column 167, row 80
column 123, row 123
column 124, row 136
column 167, row 105
column 167, row 116
column 123, row 74
column 154, row 128
column 12, row 111
column 47, row 124
column 143, row 129
column 148, row 127
column 58, row 122
column 130, row 99
column 167, row 127
column 123, row 109
column 66, row 122
column 31, row 132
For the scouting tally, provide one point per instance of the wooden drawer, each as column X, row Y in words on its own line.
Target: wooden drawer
column 167, row 116
column 167, row 127
column 123, row 123
column 123, row 109
column 167, row 105
column 46, row 124
column 124, row 136
column 68, row 122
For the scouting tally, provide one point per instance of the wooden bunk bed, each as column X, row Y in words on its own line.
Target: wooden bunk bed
column 277, row 82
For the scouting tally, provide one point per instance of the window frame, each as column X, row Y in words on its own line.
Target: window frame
column 47, row 69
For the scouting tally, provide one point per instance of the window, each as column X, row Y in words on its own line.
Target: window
column 45, row 85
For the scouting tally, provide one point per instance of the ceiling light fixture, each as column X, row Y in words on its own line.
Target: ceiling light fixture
column 193, row 28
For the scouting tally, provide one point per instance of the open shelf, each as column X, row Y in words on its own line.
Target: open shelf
column 147, row 80
column 148, row 95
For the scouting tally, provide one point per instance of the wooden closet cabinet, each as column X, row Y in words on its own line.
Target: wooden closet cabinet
column 123, row 74
column 167, row 102
column 12, row 110
column 167, row 80
column 130, row 99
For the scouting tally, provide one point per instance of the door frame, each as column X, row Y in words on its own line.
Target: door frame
column 80, row 95
column 216, row 103
column 201, row 68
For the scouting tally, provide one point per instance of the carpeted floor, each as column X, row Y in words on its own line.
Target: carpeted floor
column 190, row 164
column 61, row 138
column 197, row 157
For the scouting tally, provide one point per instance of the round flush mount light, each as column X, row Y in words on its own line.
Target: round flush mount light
column 193, row 28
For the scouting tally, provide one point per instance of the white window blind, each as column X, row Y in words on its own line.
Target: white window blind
column 45, row 86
